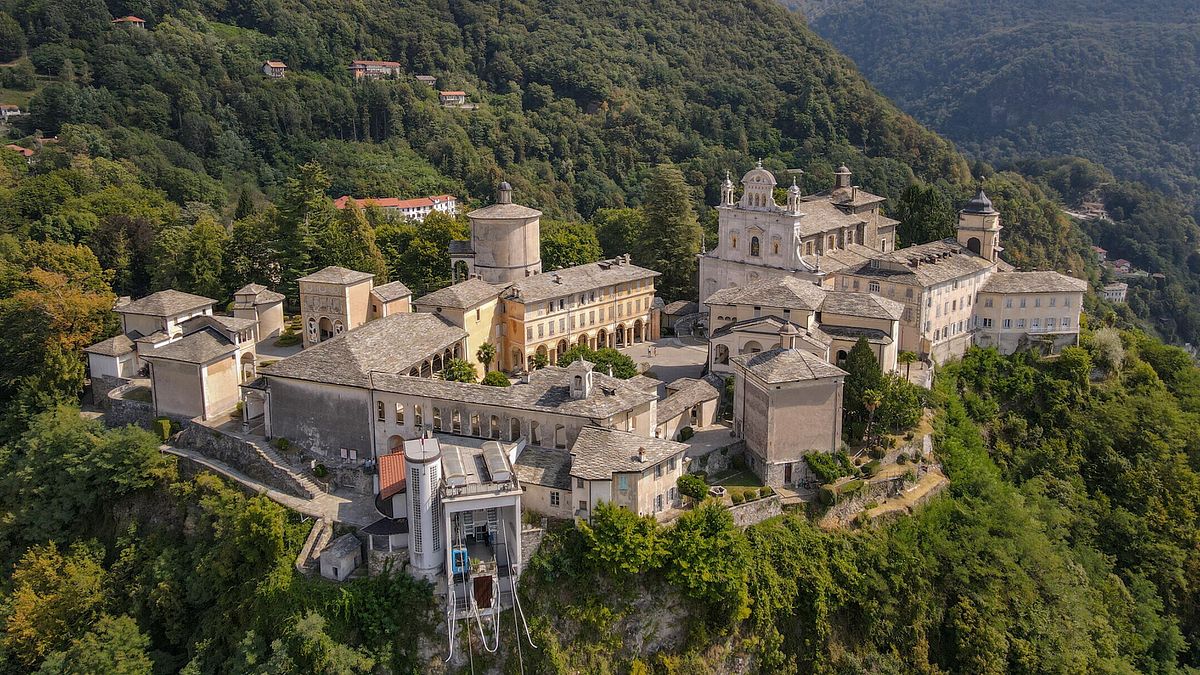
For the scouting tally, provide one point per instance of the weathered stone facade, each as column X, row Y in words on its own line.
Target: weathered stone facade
column 752, row 512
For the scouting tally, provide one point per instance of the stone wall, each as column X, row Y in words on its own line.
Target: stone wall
column 377, row 561
column 243, row 456
column 531, row 539
column 121, row 411
column 100, row 386
column 719, row 459
column 749, row 513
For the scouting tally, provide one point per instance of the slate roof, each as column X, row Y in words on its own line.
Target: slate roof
column 1033, row 282
column 231, row 323
column 460, row 247
column 821, row 215
column 599, row 453
column 770, row 325
column 689, row 392
column 391, row 291
column 548, row 390
column 463, row 295
column 165, row 303
column 644, row 383
column 200, row 347
column 841, row 258
column 862, row 304
column 337, row 275
column 113, row 346
column 923, row 265
column 544, row 466
column 578, row 279
column 262, row 294
column 344, row 546
column 778, row 366
column 392, row 344
column 504, row 211
column 681, row 307
column 855, row 332
column 784, row 292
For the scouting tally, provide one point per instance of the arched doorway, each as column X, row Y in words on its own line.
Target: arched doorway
column 518, row 359
column 461, row 271
column 840, row 360
column 494, row 427
column 620, row 330
column 973, row 245
column 601, row 338
column 247, row 367
column 325, row 328
column 514, row 429
column 637, row 330
column 722, row 353
column 583, row 340
column 395, row 444
column 561, row 349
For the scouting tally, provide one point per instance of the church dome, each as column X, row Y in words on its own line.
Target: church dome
column 505, row 186
column 979, row 204
column 758, row 176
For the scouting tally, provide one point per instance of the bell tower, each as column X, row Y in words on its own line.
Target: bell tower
column 979, row 227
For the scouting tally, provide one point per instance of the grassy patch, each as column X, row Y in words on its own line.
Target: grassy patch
column 736, row 479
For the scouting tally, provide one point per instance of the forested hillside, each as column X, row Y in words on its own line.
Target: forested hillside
column 1115, row 82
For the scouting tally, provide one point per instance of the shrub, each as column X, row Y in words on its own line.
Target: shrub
column 287, row 338
column 871, row 468
column 738, row 462
column 162, row 428
column 826, row 495
column 282, row 443
column 851, row 488
column 496, row 378
column 765, row 491
column 686, row 434
column 737, row 497
column 238, row 410
column 902, row 458
column 870, row 505
column 910, row 476
column 320, row 471
column 876, row 452
column 908, row 436
column 692, row 486
column 828, row 466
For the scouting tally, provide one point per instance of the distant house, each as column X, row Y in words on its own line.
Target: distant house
column 374, row 70
column 130, row 20
column 1101, row 254
column 8, row 110
column 25, row 152
column 274, row 69
column 453, row 98
column 416, row 209
column 1122, row 265
column 428, row 80
column 1115, row 292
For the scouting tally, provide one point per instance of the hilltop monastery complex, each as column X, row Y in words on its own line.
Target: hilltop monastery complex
column 786, row 293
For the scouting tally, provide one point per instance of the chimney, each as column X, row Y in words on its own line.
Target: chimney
column 642, row 455
column 557, row 278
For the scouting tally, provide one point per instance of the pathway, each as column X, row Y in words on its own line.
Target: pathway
column 673, row 358
column 352, row 509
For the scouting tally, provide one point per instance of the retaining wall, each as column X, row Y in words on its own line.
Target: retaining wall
column 243, row 456
column 749, row 513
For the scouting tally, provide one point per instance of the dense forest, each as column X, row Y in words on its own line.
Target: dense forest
column 1115, row 82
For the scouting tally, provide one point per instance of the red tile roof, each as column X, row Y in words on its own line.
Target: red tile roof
column 129, row 19
column 16, row 148
column 385, row 64
column 391, row 474
column 393, row 202
column 9, row 106
column 454, row 93
column 277, row 64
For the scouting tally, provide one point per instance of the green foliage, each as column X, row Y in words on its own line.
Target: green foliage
column 863, row 375
column 765, row 491
column 620, row 542
column 686, row 433
column 115, row 645
column 566, row 244
column 458, row 370
column 692, row 486
column 870, row 468
column 926, row 213
column 707, row 562
column 672, row 232
column 496, row 378
column 602, row 359
column 737, row 497
column 12, row 38
column 829, row 466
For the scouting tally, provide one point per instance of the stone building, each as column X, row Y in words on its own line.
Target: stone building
column 332, row 301
column 760, row 239
column 262, row 305
column 505, row 242
column 1019, row 310
column 787, row 403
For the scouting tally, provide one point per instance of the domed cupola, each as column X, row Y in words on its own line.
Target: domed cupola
column 980, row 204
column 758, row 189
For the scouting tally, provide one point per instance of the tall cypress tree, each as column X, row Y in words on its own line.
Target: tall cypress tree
column 863, row 374
column 673, row 233
column 306, row 210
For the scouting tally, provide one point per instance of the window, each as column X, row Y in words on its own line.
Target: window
column 550, row 324
column 562, row 325
column 658, row 470
column 1008, row 303
column 808, row 248
column 529, row 333
column 418, row 414
column 1007, row 323
column 855, row 284
column 379, row 412
column 873, row 287
column 1067, row 301
column 623, row 483
column 399, row 413
column 555, row 499
column 832, row 242
column 455, row 421
column 754, row 247
column 477, row 315
column 579, row 483
column 908, row 293
column 1050, row 322
column 987, row 302
column 1066, row 322
column 1053, row 301
column 954, row 305
column 1020, row 323
column 1022, row 303
column 541, row 330
column 1034, row 323
column 1037, row 302
column 583, row 505
column 562, row 304
column 987, row 323
column 671, row 464
column 658, row 503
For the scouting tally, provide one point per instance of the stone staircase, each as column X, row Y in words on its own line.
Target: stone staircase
column 251, row 456
column 272, row 455
column 308, row 561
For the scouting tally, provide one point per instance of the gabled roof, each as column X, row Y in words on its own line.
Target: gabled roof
column 681, row 307
column 453, row 93
column 25, row 152
column 394, row 202
column 463, row 295
column 924, row 264
column 129, row 19
column 262, row 294
column 392, row 344
column 779, row 366
column 165, row 303
column 688, row 392
column 548, row 467
column 277, row 64
column 578, row 279
column 337, row 275
column 599, row 453
column 383, row 64
column 784, row 291
column 1033, row 282
column 391, row 291
column 862, row 304
column 113, row 346
column 200, row 347
column 392, row 478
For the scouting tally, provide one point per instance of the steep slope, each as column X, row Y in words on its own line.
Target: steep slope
column 1115, row 82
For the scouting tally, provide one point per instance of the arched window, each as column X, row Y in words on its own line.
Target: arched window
column 379, row 412
column 494, row 427
column 437, row 418
column 514, row 429
column 733, row 241
column 455, row 421
column 535, row 432
column 754, row 247
column 775, row 247
column 475, row 429
column 418, row 414
column 399, row 413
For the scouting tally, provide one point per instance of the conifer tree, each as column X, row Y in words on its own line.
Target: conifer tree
column 864, row 375
column 349, row 241
column 203, row 259
column 306, row 210
column 672, row 232
column 245, row 205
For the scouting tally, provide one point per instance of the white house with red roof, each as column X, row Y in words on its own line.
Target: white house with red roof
column 416, row 209
column 274, row 69
column 130, row 20
column 453, row 98
column 374, row 70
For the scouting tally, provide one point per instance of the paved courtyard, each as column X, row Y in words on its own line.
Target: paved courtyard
column 672, row 358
